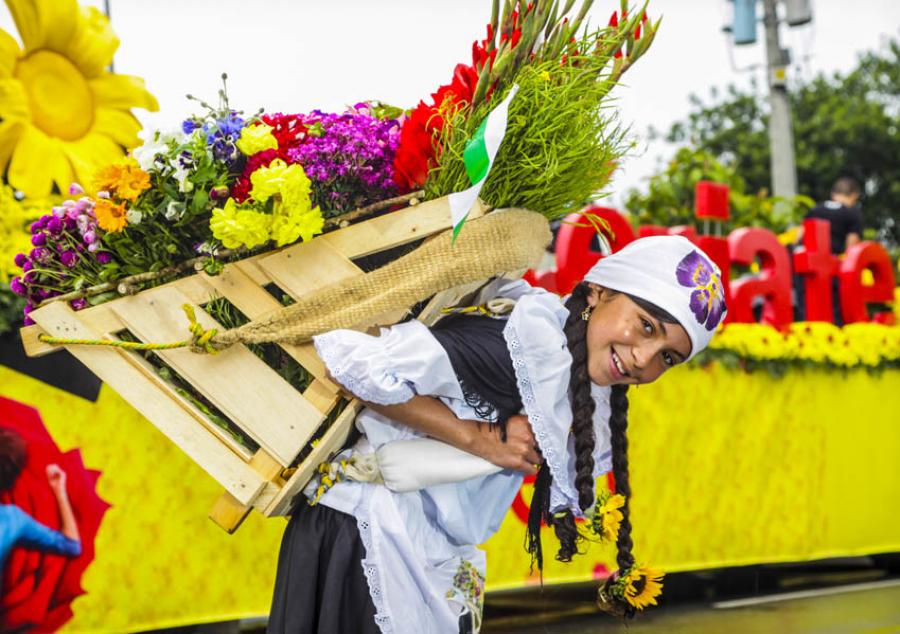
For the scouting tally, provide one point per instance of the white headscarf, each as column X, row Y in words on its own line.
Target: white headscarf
column 672, row 273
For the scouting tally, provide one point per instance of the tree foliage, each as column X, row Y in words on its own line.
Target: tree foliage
column 844, row 125
column 669, row 199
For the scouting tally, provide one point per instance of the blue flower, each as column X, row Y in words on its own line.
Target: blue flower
column 189, row 125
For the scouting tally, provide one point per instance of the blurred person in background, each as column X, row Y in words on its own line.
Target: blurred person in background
column 17, row 528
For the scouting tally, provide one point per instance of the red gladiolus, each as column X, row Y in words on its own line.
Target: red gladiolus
column 38, row 588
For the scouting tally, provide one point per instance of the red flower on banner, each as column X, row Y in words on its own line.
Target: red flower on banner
column 38, row 588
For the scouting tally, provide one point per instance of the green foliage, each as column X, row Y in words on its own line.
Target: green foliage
column 11, row 306
column 560, row 147
column 844, row 125
column 669, row 199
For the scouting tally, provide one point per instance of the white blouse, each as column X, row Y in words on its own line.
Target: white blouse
column 421, row 563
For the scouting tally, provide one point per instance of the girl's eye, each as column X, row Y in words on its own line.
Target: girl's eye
column 668, row 359
column 648, row 327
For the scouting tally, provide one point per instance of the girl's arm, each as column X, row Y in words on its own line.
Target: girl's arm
column 431, row 417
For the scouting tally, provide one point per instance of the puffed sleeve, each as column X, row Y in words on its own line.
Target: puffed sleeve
column 404, row 360
column 35, row 535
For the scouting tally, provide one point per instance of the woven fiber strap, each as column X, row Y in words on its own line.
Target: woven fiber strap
column 498, row 242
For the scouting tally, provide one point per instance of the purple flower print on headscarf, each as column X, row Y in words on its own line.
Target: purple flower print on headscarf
column 707, row 299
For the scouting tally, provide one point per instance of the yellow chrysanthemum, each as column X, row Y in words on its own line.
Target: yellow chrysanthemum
column 288, row 182
column 110, row 216
column 63, row 114
column 15, row 216
column 642, row 586
column 124, row 178
column 287, row 226
column 235, row 227
column 256, row 138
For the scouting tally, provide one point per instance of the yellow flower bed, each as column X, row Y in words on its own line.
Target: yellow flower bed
column 866, row 345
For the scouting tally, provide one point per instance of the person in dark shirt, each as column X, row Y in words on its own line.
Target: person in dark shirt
column 843, row 214
column 17, row 528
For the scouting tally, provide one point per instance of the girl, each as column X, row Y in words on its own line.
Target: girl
column 366, row 558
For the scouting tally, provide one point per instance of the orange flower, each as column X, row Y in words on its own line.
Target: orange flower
column 110, row 215
column 123, row 179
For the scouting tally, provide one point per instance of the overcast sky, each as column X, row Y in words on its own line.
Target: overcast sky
column 297, row 55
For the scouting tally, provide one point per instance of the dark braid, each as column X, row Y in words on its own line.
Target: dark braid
column 618, row 426
column 583, row 431
column 580, row 396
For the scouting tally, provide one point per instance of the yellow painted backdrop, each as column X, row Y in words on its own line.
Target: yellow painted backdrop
column 728, row 469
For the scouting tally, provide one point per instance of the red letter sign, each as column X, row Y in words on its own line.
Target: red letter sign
column 773, row 282
column 816, row 264
column 855, row 296
column 574, row 256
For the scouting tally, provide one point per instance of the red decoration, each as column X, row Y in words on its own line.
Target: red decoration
column 773, row 283
column 574, row 256
column 817, row 265
column 854, row 295
column 718, row 251
column 38, row 588
column 711, row 200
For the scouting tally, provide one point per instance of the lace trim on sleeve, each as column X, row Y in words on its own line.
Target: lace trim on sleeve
column 388, row 391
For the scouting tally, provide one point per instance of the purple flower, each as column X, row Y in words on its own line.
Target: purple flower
column 38, row 254
column 90, row 236
column 189, row 125
column 17, row 287
column 78, row 304
column 55, row 225
column 39, row 239
column 21, row 259
column 707, row 299
column 27, row 266
column 69, row 258
column 75, row 189
column 104, row 257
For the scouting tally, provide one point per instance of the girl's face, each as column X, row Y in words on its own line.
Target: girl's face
column 626, row 344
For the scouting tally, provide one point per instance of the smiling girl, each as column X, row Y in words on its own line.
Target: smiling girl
column 373, row 555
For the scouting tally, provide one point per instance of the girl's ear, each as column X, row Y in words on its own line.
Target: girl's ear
column 594, row 295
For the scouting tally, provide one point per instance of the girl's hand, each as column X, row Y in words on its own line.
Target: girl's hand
column 519, row 452
column 56, row 477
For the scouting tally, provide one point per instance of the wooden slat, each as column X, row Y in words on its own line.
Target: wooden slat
column 327, row 446
column 236, row 381
column 229, row 513
column 323, row 394
column 307, row 267
column 168, row 415
column 395, row 229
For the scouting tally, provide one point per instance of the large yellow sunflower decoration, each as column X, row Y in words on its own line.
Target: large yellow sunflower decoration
column 62, row 113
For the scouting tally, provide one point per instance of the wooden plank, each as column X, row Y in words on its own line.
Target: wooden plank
column 168, row 415
column 327, row 446
column 229, row 513
column 235, row 380
column 396, row 228
column 307, row 267
column 323, row 394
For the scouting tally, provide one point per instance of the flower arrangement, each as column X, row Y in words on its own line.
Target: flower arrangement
column 225, row 183
column 871, row 346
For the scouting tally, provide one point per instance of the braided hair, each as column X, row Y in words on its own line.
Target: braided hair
column 563, row 523
column 583, row 431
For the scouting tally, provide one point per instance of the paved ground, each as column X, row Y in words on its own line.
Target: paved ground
column 853, row 596
column 871, row 608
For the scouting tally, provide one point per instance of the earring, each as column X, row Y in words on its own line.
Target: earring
column 586, row 313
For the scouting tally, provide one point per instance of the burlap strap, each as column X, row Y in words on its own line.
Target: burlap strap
column 501, row 241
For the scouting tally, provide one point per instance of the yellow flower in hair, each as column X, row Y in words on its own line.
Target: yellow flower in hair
column 607, row 517
column 641, row 586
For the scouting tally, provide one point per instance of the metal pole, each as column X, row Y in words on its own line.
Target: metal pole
column 781, row 135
